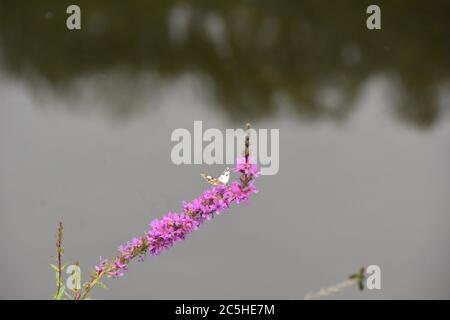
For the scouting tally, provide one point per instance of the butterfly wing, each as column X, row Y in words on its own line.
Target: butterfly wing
column 211, row 180
column 222, row 180
column 225, row 176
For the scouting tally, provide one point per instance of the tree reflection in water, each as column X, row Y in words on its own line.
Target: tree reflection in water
column 317, row 53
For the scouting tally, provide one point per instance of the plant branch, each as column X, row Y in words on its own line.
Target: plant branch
column 59, row 253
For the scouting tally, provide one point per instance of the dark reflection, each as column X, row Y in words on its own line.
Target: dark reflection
column 318, row 53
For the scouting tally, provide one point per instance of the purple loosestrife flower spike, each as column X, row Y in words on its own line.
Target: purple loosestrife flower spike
column 174, row 227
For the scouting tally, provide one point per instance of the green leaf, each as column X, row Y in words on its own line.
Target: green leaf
column 54, row 267
column 102, row 285
column 61, row 293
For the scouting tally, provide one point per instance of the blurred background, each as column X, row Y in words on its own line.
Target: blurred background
column 86, row 118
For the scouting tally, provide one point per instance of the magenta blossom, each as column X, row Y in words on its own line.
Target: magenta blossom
column 174, row 227
column 247, row 167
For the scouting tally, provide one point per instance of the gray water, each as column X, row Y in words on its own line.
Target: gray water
column 364, row 175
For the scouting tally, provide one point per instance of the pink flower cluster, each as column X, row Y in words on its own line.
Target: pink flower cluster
column 248, row 167
column 176, row 226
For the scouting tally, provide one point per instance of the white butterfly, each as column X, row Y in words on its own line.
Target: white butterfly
column 221, row 181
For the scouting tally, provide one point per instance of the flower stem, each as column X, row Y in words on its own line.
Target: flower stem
column 59, row 253
column 90, row 285
column 245, row 179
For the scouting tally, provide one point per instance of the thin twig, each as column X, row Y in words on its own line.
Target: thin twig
column 59, row 253
column 355, row 279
